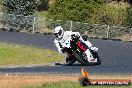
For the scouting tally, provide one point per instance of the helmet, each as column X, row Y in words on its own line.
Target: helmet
column 58, row 32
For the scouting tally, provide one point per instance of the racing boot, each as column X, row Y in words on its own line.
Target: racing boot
column 70, row 61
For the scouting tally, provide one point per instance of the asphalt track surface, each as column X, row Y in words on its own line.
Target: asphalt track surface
column 116, row 56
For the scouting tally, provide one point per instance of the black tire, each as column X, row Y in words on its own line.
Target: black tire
column 95, row 54
column 70, row 62
column 79, row 59
column 86, row 63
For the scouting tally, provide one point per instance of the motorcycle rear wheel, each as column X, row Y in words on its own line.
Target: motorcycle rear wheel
column 86, row 62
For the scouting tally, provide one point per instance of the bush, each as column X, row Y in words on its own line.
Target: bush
column 75, row 10
column 128, row 20
column 19, row 7
column 16, row 10
column 87, row 11
column 111, row 15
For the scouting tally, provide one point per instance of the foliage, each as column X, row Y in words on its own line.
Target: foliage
column 105, row 14
column 99, row 1
column 128, row 20
column 19, row 7
column 75, row 10
column 43, row 5
column 111, row 15
column 87, row 11
column 18, row 21
column 15, row 10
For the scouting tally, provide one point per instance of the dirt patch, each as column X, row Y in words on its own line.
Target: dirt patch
column 125, row 37
column 18, row 81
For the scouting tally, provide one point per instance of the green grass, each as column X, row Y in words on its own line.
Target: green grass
column 11, row 54
column 74, row 85
column 41, row 14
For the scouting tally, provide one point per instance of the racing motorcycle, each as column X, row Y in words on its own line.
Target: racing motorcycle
column 79, row 51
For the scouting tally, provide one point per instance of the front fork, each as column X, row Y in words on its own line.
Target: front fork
column 87, row 56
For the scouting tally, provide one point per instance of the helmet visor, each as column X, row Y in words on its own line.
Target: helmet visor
column 58, row 34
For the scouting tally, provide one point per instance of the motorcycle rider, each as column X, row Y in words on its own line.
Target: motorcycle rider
column 62, row 36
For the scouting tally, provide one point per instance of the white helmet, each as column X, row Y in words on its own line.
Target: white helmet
column 58, row 32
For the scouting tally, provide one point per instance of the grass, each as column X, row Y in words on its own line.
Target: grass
column 74, row 85
column 11, row 54
column 41, row 14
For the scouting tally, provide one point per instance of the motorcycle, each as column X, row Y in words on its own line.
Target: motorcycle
column 79, row 51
